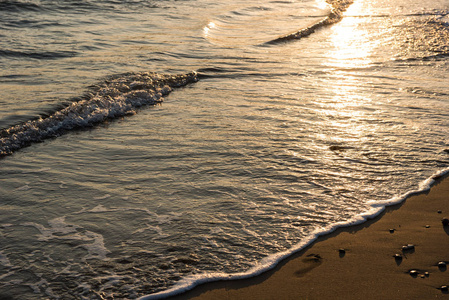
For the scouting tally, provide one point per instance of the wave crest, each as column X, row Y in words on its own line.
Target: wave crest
column 335, row 16
column 115, row 97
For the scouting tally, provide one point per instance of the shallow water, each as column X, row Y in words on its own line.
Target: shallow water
column 273, row 144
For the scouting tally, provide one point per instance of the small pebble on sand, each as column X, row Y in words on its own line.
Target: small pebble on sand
column 397, row 256
column 408, row 247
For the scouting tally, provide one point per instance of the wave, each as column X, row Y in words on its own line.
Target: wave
column 423, row 40
column 14, row 6
column 62, row 6
column 430, row 57
column 37, row 55
column 117, row 96
column 269, row 262
column 335, row 16
column 75, row 6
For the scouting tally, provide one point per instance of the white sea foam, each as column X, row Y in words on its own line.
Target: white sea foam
column 102, row 197
column 153, row 217
column 99, row 208
column 117, row 97
column 25, row 187
column 4, row 260
column 257, row 129
column 59, row 230
column 157, row 229
column 269, row 262
column 96, row 249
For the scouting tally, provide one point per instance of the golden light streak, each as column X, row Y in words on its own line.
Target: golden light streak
column 351, row 43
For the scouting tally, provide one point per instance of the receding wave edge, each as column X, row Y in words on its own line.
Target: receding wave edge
column 269, row 262
column 335, row 16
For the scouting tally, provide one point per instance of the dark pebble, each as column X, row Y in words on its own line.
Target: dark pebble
column 414, row 273
column 397, row 256
column 426, row 274
column 445, row 221
column 408, row 247
column 427, row 226
column 342, row 251
column 440, row 212
column 444, row 288
column 392, row 230
column 441, row 264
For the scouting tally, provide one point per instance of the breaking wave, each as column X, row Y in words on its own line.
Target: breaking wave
column 335, row 16
column 116, row 97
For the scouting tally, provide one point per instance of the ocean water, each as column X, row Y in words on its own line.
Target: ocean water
column 148, row 146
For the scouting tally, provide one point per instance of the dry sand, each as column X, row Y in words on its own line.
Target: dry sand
column 367, row 268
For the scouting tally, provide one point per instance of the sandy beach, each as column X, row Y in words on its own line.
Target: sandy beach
column 358, row 262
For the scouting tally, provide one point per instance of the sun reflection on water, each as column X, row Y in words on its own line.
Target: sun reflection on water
column 351, row 44
column 349, row 108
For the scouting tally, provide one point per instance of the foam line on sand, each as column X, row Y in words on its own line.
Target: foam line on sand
column 358, row 262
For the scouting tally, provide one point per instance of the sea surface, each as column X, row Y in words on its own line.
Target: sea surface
column 148, row 146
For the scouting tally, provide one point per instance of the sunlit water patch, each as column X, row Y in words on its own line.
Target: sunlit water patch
column 255, row 23
column 272, row 146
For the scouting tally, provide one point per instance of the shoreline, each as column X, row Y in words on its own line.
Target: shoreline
column 357, row 261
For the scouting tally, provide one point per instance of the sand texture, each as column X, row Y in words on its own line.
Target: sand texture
column 358, row 262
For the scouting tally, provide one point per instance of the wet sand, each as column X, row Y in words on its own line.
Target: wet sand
column 357, row 262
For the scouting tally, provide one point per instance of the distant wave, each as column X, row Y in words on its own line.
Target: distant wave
column 11, row 6
column 37, row 55
column 22, row 6
column 335, row 15
column 437, row 56
column 17, row 6
column 117, row 96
